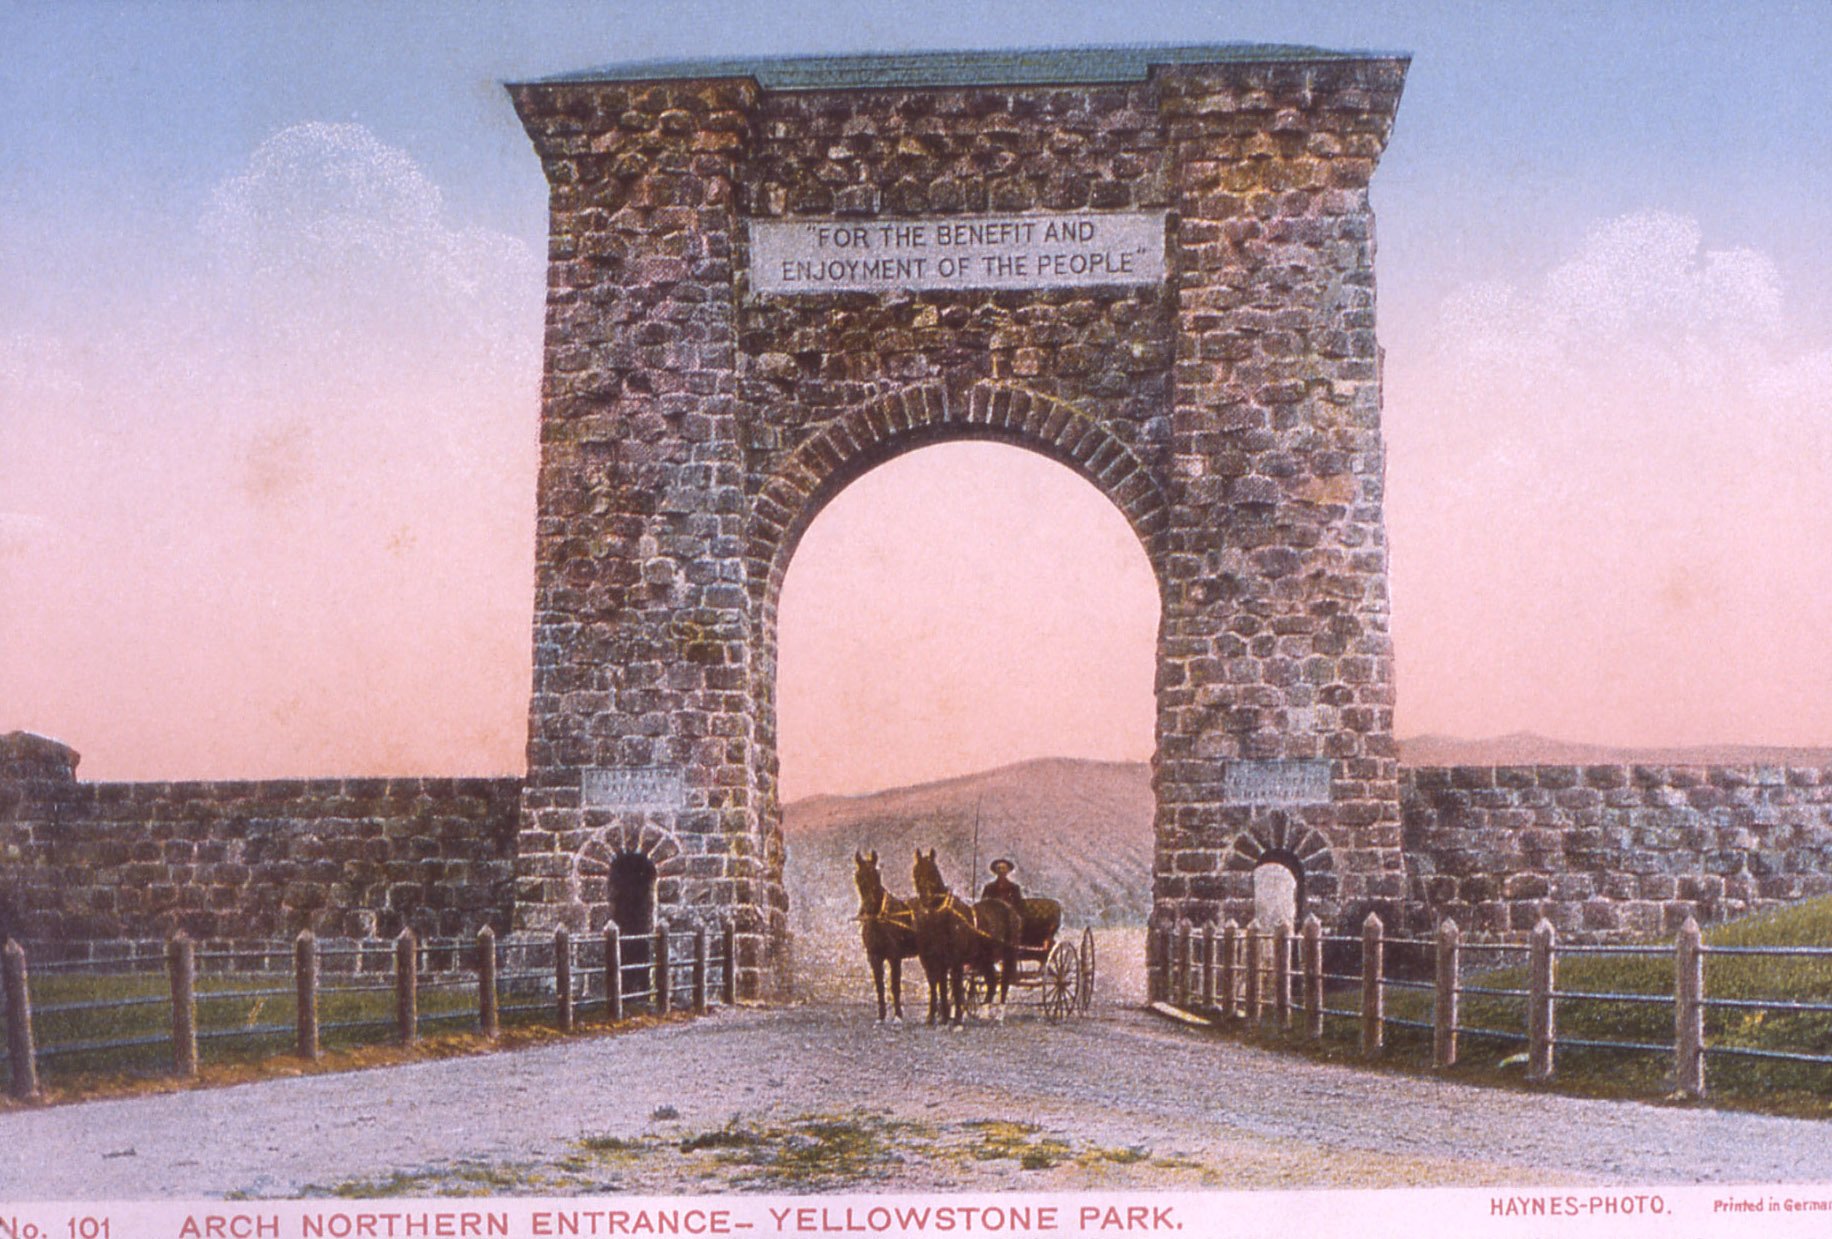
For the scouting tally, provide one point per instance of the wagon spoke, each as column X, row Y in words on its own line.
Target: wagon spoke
column 1061, row 981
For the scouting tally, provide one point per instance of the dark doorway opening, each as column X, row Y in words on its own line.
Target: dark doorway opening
column 633, row 909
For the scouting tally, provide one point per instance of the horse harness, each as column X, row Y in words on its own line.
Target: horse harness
column 965, row 913
column 901, row 917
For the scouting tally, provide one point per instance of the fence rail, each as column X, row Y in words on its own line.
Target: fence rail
column 1245, row 976
column 434, row 982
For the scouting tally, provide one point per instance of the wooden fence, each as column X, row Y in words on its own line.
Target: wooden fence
column 1246, row 977
column 475, row 982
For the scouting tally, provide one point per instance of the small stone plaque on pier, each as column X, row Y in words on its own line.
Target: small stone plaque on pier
column 1057, row 250
column 1276, row 782
column 633, row 787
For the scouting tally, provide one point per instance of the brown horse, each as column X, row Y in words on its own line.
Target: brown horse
column 953, row 935
column 887, row 928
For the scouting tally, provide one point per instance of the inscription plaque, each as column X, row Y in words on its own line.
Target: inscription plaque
column 1277, row 782
column 1058, row 250
column 632, row 787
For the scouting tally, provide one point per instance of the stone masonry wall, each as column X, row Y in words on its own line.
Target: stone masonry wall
column 840, row 383
column 693, row 428
column 1602, row 851
column 248, row 860
column 1276, row 643
column 641, row 624
column 1605, row 851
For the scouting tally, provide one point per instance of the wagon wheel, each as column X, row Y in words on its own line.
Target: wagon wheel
column 1087, row 968
column 977, row 994
column 1060, row 983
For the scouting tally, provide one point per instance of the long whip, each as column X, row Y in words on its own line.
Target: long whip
column 973, row 874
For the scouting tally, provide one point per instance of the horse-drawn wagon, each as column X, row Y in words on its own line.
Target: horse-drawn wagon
column 985, row 949
column 1057, row 975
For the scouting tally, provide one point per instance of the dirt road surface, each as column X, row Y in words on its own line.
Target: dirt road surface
column 818, row 1098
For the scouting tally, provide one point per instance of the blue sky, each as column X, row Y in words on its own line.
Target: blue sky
column 1520, row 121
column 270, row 281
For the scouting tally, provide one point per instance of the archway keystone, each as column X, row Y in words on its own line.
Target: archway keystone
column 1154, row 266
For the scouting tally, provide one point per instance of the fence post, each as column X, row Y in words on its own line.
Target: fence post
column 562, row 979
column 663, row 988
column 1151, row 964
column 1155, row 989
column 305, row 995
column 1230, row 983
column 1183, row 947
column 488, row 1022
column 729, row 949
column 1281, row 974
column 1173, row 964
column 1449, row 991
column 700, row 954
column 613, row 973
column 1542, row 975
column 406, row 988
column 1313, row 977
column 1256, row 966
column 1167, row 955
column 1689, row 1011
column 1208, row 966
column 22, row 1057
column 1167, row 967
column 181, row 972
column 1373, row 994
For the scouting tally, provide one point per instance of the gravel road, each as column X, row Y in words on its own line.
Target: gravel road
column 1118, row 1100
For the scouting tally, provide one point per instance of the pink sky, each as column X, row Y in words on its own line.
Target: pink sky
column 272, row 514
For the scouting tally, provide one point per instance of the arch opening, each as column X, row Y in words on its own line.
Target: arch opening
column 1278, row 890
column 934, row 626
column 631, row 889
column 963, row 608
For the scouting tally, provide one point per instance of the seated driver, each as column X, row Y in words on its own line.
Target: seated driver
column 1002, row 887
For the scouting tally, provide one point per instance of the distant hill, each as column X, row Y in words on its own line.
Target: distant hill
column 1080, row 831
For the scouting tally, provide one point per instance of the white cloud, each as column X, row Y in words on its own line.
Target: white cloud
column 334, row 245
column 1612, row 492
column 1642, row 346
column 1650, row 271
column 1640, row 308
column 307, row 457
column 334, row 186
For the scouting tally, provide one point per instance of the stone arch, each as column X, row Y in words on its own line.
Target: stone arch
column 894, row 424
column 924, row 414
column 594, row 864
column 698, row 413
column 878, row 431
column 1296, row 847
